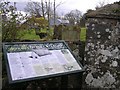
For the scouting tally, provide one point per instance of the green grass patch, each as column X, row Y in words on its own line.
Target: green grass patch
column 29, row 35
column 83, row 34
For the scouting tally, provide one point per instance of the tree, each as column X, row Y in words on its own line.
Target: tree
column 40, row 9
column 55, row 7
column 74, row 16
column 43, row 8
column 11, row 20
column 42, row 4
column 34, row 8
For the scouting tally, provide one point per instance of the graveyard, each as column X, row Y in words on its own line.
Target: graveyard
column 92, row 51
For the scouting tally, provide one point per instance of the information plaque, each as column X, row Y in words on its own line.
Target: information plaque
column 27, row 61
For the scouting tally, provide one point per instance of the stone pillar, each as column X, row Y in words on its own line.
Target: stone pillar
column 102, row 55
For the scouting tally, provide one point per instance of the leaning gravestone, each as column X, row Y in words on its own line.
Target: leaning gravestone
column 72, row 34
column 102, row 55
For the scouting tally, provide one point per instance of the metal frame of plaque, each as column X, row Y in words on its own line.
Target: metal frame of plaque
column 28, row 61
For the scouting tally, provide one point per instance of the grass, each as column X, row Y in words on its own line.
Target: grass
column 31, row 35
column 83, row 34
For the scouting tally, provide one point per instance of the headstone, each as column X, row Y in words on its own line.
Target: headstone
column 37, row 30
column 58, row 32
column 71, row 34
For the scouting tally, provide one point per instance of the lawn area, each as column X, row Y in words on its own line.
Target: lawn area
column 31, row 35
column 83, row 34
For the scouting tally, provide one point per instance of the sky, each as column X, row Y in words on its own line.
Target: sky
column 82, row 5
column 68, row 5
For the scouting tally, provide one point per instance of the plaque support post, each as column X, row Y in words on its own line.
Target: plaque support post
column 64, row 82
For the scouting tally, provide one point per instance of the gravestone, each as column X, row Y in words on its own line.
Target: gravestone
column 66, row 33
column 102, row 55
column 71, row 34
column 58, row 32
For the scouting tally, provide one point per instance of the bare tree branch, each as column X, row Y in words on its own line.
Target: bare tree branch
column 59, row 4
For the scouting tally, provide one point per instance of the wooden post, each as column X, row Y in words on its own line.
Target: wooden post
column 64, row 82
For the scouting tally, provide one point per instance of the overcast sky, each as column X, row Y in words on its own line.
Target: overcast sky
column 68, row 5
column 82, row 5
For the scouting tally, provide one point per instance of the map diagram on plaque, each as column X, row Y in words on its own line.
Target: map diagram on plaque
column 40, row 62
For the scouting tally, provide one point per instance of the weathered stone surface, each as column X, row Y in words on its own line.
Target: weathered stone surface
column 102, row 55
column 106, row 79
